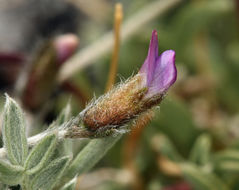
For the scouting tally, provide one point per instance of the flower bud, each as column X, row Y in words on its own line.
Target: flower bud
column 65, row 46
column 137, row 94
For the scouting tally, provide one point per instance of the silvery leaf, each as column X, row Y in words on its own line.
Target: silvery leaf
column 47, row 178
column 70, row 185
column 40, row 154
column 14, row 135
column 10, row 174
column 65, row 115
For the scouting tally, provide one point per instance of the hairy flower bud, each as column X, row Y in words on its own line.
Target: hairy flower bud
column 137, row 94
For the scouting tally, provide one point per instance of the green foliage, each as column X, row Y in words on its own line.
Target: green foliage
column 195, row 137
column 40, row 154
column 200, row 153
column 200, row 179
column 40, row 171
column 65, row 147
column 70, row 185
column 14, row 134
column 227, row 161
column 65, row 115
column 4, row 187
column 198, row 169
column 10, row 174
column 90, row 155
column 48, row 177
column 36, row 165
column 182, row 136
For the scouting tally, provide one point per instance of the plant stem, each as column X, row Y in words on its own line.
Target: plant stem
column 114, row 62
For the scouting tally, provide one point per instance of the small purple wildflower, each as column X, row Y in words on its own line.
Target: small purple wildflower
column 160, row 70
column 138, row 94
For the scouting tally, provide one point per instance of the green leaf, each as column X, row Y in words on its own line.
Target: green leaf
column 70, row 185
column 90, row 155
column 40, row 154
column 14, row 134
column 4, row 187
column 65, row 147
column 65, row 115
column 227, row 161
column 48, row 177
column 200, row 153
column 163, row 145
column 10, row 174
column 227, row 155
column 200, row 179
column 175, row 113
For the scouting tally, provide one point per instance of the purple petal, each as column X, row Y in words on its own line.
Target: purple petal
column 165, row 73
column 65, row 45
column 150, row 62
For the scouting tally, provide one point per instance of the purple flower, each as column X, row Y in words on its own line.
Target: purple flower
column 159, row 70
column 138, row 94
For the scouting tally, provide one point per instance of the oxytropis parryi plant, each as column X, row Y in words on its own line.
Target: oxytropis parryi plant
column 106, row 116
column 111, row 112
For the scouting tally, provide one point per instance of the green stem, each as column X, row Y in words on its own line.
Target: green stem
column 90, row 155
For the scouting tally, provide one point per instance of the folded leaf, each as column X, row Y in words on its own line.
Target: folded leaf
column 230, row 154
column 40, row 154
column 10, row 174
column 200, row 179
column 90, row 155
column 47, row 178
column 14, row 135
column 65, row 147
column 4, row 187
column 200, row 153
column 70, row 185
column 227, row 161
column 65, row 115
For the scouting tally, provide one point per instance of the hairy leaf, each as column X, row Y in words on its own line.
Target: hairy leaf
column 70, row 185
column 65, row 115
column 90, row 155
column 65, row 147
column 200, row 179
column 48, row 177
column 4, row 187
column 40, row 154
column 10, row 174
column 14, row 135
column 200, row 153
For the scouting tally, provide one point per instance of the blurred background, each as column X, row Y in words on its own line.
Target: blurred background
column 53, row 51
